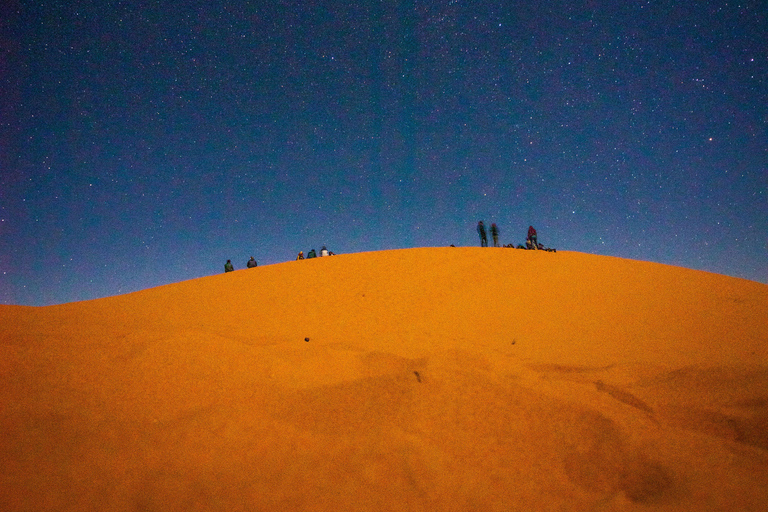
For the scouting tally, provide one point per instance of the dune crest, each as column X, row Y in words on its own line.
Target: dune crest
column 420, row 379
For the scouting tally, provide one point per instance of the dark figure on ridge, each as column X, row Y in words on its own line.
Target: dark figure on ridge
column 481, row 232
column 532, row 237
column 311, row 254
column 228, row 266
column 495, row 234
column 252, row 263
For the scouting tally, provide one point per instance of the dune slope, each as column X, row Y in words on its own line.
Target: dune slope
column 432, row 379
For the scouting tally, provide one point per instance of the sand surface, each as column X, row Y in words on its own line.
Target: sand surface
column 433, row 379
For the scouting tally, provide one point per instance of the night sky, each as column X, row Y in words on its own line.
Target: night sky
column 147, row 142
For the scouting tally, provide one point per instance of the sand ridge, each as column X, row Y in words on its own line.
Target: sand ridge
column 437, row 378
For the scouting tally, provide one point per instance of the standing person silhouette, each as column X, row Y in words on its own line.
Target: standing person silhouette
column 251, row 263
column 495, row 234
column 532, row 237
column 481, row 232
column 228, row 266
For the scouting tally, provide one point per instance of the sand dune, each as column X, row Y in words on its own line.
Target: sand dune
column 433, row 379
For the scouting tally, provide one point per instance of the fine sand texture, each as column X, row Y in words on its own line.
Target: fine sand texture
column 439, row 379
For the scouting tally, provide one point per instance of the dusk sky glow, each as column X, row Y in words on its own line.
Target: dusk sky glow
column 145, row 142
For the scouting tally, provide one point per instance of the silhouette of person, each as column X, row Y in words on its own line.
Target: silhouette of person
column 532, row 237
column 323, row 251
column 311, row 254
column 251, row 263
column 495, row 234
column 300, row 256
column 228, row 266
column 481, row 232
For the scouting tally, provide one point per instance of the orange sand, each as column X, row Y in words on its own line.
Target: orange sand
column 434, row 379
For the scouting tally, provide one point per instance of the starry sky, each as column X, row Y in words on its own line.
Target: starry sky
column 146, row 142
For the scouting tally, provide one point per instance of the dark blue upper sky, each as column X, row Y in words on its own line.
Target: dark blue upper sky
column 147, row 142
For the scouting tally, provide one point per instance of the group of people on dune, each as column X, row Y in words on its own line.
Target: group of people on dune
column 313, row 254
column 531, row 241
column 228, row 267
